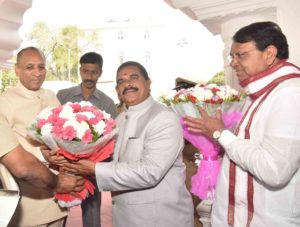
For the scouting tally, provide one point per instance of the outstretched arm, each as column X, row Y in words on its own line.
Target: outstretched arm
column 24, row 165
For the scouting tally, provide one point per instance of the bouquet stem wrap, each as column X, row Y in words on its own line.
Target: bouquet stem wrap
column 68, row 200
column 204, row 182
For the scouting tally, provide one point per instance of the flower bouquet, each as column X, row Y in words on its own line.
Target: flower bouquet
column 79, row 130
column 210, row 97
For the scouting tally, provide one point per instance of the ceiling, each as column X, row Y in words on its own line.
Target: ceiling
column 11, row 18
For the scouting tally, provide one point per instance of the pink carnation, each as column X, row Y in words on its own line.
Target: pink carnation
column 88, row 108
column 57, row 110
column 81, row 117
column 41, row 123
column 99, row 115
column 57, row 131
column 68, row 133
column 76, row 107
column 110, row 124
column 87, row 137
column 54, row 119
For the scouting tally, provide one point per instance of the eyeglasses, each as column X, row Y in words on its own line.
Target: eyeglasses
column 240, row 56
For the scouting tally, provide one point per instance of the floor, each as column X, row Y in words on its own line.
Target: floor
column 74, row 218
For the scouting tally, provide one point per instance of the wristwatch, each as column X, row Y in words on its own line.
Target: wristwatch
column 217, row 134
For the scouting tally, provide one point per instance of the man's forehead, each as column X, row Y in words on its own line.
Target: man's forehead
column 129, row 71
column 236, row 45
column 32, row 61
column 89, row 65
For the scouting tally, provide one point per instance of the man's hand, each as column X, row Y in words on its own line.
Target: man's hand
column 205, row 124
column 68, row 183
column 51, row 156
column 82, row 167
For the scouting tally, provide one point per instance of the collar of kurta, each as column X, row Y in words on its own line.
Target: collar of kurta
column 28, row 93
column 257, row 85
column 148, row 101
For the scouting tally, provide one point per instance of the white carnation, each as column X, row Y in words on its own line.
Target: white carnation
column 106, row 115
column 99, row 127
column 85, row 103
column 67, row 112
column 222, row 94
column 45, row 113
column 46, row 129
column 199, row 93
column 208, row 94
column 81, row 129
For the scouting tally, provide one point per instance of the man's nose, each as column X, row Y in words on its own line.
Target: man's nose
column 89, row 75
column 233, row 62
column 127, row 82
column 37, row 72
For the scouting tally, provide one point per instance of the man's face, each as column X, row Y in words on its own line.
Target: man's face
column 90, row 74
column 247, row 60
column 31, row 69
column 132, row 87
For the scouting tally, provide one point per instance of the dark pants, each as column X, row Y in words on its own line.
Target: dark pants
column 91, row 209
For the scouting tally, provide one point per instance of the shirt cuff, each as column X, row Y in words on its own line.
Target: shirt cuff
column 103, row 171
column 226, row 138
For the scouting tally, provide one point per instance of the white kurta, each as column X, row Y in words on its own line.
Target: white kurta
column 148, row 170
column 271, row 155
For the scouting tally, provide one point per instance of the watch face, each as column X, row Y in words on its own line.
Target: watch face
column 216, row 134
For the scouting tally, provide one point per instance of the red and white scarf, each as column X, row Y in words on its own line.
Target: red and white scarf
column 258, row 88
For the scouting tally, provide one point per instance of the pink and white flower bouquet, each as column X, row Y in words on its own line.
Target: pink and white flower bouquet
column 79, row 130
column 210, row 97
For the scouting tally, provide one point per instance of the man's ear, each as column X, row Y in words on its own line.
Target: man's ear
column 149, row 82
column 271, row 54
column 117, row 90
column 17, row 70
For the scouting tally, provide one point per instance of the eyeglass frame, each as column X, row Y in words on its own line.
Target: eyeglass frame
column 239, row 55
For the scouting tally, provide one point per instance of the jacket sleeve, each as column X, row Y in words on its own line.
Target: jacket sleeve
column 161, row 147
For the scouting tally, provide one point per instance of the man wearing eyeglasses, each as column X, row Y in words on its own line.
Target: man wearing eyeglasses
column 259, row 183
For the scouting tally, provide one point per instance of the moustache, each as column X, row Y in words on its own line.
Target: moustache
column 129, row 88
column 88, row 81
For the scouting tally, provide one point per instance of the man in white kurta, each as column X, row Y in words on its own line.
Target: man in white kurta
column 272, row 155
column 259, row 182
column 18, row 108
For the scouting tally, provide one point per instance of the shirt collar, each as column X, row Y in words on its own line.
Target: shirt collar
column 28, row 93
column 96, row 93
column 148, row 101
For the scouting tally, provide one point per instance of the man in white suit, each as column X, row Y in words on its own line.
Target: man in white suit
column 147, row 175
